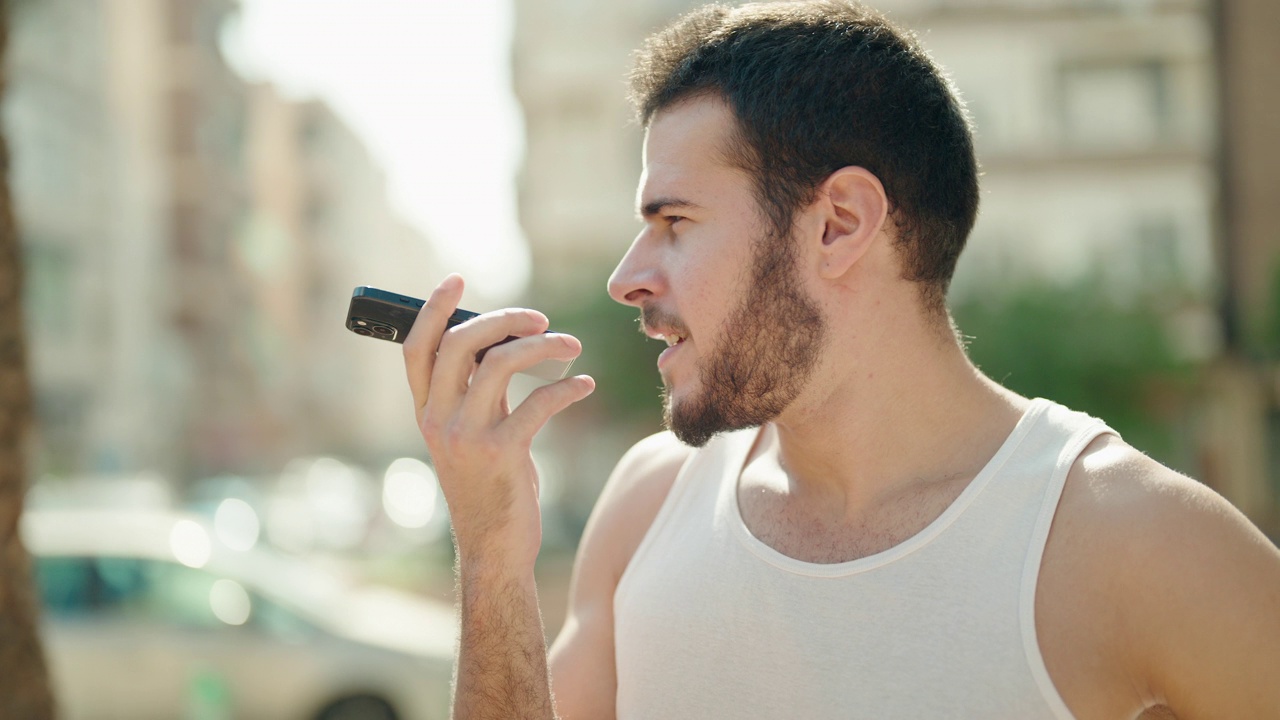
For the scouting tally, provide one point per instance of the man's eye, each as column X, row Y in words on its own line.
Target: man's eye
column 672, row 219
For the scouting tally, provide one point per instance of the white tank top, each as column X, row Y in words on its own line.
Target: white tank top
column 712, row 623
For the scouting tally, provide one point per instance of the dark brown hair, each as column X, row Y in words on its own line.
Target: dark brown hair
column 819, row 85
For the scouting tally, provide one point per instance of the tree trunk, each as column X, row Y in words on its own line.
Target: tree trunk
column 24, row 683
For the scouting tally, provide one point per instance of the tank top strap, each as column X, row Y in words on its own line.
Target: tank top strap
column 1074, row 432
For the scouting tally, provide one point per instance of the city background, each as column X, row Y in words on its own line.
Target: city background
column 193, row 222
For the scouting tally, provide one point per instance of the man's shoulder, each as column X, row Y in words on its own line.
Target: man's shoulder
column 642, row 479
column 1160, row 572
column 649, row 467
column 1125, row 507
column 1132, row 535
column 1117, row 493
column 632, row 498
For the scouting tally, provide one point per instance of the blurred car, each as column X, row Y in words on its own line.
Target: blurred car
column 147, row 615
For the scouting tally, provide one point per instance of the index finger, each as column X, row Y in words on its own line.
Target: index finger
column 424, row 337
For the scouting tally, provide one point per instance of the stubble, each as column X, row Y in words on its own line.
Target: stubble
column 763, row 356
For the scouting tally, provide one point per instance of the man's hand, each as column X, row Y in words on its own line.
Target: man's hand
column 479, row 445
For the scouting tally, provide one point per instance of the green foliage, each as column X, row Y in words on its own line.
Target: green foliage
column 1076, row 344
column 1268, row 346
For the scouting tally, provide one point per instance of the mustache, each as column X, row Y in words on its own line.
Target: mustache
column 651, row 316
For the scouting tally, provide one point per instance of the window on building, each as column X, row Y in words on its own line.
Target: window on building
column 1114, row 105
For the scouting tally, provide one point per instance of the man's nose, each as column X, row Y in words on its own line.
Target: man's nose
column 638, row 276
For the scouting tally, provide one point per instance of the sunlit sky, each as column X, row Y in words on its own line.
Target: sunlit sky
column 426, row 84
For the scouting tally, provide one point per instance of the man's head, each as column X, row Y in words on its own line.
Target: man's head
column 819, row 85
column 780, row 141
column 711, row 277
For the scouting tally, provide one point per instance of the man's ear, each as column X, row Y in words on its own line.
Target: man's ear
column 854, row 207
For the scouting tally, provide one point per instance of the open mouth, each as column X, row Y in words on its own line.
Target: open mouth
column 673, row 342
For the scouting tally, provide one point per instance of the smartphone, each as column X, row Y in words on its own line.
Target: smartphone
column 389, row 316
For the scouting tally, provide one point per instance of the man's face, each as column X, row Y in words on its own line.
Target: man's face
column 708, row 276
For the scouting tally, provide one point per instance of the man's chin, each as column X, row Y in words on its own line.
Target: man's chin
column 692, row 421
column 694, row 437
column 676, row 420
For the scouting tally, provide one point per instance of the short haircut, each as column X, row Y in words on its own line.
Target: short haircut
column 818, row 85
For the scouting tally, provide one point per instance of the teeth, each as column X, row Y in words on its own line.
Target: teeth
column 672, row 339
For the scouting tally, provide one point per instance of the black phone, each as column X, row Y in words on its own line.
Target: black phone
column 389, row 316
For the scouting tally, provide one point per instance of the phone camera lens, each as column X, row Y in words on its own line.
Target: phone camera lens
column 361, row 331
column 383, row 330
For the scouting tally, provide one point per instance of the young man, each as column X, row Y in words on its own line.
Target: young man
column 846, row 519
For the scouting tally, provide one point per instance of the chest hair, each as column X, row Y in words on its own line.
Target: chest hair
column 812, row 530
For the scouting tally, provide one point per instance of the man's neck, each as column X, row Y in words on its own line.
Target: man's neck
column 912, row 410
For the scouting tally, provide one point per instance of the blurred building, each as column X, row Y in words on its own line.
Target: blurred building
column 191, row 242
column 582, row 159
column 1096, row 126
column 320, row 226
column 222, row 418
column 84, row 118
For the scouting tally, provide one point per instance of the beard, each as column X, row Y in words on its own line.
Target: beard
column 764, row 355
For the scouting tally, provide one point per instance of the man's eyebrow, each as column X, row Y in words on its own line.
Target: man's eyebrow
column 657, row 206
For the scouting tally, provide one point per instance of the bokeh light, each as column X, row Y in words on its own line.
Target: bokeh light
column 236, row 524
column 230, row 602
column 410, row 493
column 190, row 544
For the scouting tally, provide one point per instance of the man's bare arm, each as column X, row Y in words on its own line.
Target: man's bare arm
column 582, row 658
column 481, row 449
column 502, row 661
